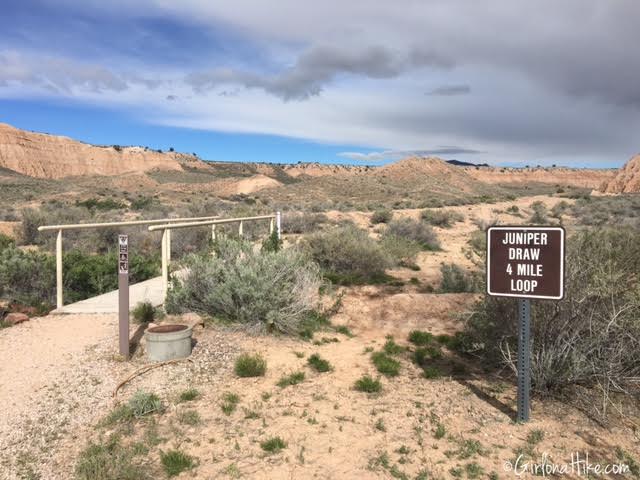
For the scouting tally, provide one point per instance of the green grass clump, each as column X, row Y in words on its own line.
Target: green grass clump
column 175, row 462
column 138, row 406
column 229, row 403
column 391, row 347
column 420, row 338
column 319, row 364
column 343, row 329
column 385, row 364
column 144, row 312
column 423, row 355
column 368, row 384
column 442, row 218
column 248, row 365
column 431, row 372
column 381, row 216
column 273, row 445
column 188, row 395
column 189, row 417
column 292, row 379
column 440, row 431
column 109, row 460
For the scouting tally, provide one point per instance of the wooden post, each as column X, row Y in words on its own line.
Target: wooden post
column 168, row 244
column 59, row 285
column 270, row 226
column 165, row 264
column 213, row 232
column 278, row 224
column 240, row 229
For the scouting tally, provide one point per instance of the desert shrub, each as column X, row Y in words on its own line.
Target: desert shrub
column 27, row 277
column 51, row 214
column 589, row 338
column 86, row 275
column 188, row 395
column 559, row 209
column 6, row 241
column 484, row 223
column 401, row 251
column 423, row 355
column 420, row 338
column 319, row 364
column 291, row 379
column 455, row 279
column 93, row 204
column 513, row 209
column 302, row 222
column 442, row 218
column 143, row 403
column 416, row 231
column 368, row 384
column 272, row 243
column 272, row 291
column 619, row 210
column 248, row 365
column 348, row 255
column 385, row 364
column 175, row 462
column 144, row 312
column 107, row 460
column 273, row 444
column 391, row 347
column 381, row 216
column 540, row 213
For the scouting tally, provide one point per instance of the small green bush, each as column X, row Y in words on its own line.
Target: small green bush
column 455, row 279
column 272, row 243
column 540, row 212
column 189, row 417
column 273, row 444
column 175, row 462
column 143, row 403
column 423, row 355
column 391, row 347
column 319, row 364
column 6, row 241
column 381, row 216
column 421, row 338
column 268, row 291
column 250, row 365
column 144, row 312
column 108, row 460
column 416, row 231
column 189, row 395
column 385, row 364
column 368, row 384
column 302, row 222
column 431, row 372
column 347, row 255
column 229, row 403
column 442, row 218
column 401, row 251
column 292, row 379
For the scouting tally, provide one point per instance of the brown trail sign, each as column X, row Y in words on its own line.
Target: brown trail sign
column 525, row 262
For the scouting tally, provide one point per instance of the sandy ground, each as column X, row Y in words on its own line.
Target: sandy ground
column 57, row 376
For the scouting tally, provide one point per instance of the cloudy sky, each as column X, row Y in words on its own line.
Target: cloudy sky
column 504, row 82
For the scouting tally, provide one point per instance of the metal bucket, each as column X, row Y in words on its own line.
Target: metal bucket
column 168, row 342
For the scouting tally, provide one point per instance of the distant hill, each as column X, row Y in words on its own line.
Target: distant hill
column 51, row 156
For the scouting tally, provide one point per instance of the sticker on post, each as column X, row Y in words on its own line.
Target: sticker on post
column 525, row 262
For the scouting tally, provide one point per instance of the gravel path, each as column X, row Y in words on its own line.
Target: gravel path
column 53, row 379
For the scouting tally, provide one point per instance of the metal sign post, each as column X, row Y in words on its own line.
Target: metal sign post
column 525, row 262
column 123, row 294
column 524, row 359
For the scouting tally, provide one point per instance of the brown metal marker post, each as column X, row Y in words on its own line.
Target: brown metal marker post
column 123, row 294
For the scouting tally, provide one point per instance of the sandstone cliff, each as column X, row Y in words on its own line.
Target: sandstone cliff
column 49, row 156
column 576, row 177
column 627, row 180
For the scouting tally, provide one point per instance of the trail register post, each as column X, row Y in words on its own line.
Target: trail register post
column 525, row 263
column 123, row 294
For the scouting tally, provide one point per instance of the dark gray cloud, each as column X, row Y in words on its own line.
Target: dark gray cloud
column 450, row 90
column 317, row 67
column 382, row 156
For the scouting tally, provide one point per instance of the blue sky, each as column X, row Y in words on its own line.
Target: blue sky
column 359, row 82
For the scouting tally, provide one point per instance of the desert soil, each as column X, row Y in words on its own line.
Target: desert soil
column 58, row 374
